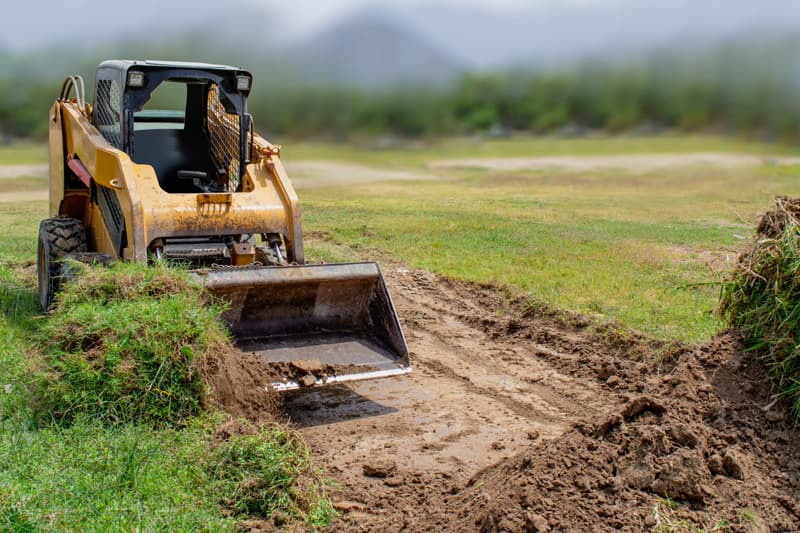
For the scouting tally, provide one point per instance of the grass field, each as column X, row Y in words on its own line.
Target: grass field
column 418, row 156
column 23, row 154
column 88, row 475
column 642, row 248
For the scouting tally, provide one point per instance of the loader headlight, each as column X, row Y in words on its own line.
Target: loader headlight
column 135, row 79
column 243, row 83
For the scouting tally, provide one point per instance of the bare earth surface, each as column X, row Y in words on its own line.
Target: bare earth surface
column 15, row 171
column 330, row 173
column 632, row 163
column 519, row 419
column 22, row 193
column 471, row 400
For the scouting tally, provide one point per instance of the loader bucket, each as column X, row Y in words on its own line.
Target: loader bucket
column 316, row 324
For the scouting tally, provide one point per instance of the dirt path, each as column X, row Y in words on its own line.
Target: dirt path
column 471, row 401
column 632, row 163
column 518, row 419
column 17, row 171
column 329, row 173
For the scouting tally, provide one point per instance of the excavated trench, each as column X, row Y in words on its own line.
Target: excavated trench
column 517, row 418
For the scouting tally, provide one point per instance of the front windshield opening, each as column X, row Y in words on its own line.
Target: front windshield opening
column 166, row 108
column 188, row 131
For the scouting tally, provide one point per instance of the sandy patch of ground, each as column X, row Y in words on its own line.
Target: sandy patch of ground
column 329, row 173
column 16, row 171
column 632, row 163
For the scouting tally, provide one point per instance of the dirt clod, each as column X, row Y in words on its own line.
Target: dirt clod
column 732, row 464
column 536, row 522
column 380, row 469
column 308, row 380
column 682, row 436
column 348, row 507
column 683, row 476
column 308, row 366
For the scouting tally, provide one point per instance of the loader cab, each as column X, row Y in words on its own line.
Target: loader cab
column 188, row 121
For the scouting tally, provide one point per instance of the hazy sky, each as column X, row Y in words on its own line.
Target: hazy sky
column 310, row 14
column 479, row 32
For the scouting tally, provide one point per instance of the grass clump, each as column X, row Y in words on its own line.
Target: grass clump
column 117, row 453
column 124, row 343
column 269, row 472
column 762, row 297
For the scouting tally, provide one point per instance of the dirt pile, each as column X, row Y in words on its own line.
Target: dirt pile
column 786, row 213
column 239, row 383
column 306, row 372
column 669, row 436
column 761, row 297
column 695, row 435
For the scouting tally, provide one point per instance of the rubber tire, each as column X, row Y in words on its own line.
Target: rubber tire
column 58, row 237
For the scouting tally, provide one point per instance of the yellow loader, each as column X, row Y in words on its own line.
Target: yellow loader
column 194, row 184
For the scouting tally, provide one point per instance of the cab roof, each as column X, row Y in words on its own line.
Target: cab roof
column 148, row 64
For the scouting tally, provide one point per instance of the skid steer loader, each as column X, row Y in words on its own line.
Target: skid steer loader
column 197, row 185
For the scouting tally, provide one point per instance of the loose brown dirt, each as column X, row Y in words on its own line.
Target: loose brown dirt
column 239, row 384
column 520, row 419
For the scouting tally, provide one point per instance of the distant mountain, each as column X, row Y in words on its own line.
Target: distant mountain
column 556, row 33
column 369, row 50
column 394, row 44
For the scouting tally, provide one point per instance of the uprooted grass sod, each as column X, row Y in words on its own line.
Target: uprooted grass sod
column 104, row 419
column 762, row 297
column 124, row 344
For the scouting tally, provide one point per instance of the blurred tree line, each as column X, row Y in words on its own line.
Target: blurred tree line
column 739, row 89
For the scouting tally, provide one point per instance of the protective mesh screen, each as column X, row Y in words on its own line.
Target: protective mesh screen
column 223, row 137
column 107, row 111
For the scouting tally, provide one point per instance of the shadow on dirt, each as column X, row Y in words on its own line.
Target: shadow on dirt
column 328, row 405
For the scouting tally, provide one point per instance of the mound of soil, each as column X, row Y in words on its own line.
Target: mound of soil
column 774, row 222
column 307, row 372
column 694, row 434
column 674, row 435
column 239, row 383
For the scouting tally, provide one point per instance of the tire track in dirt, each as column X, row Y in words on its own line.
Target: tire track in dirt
column 518, row 418
column 472, row 401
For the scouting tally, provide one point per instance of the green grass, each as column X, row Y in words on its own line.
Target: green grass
column 417, row 155
column 92, row 470
column 637, row 248
column 645, row 250
column 91, row 477
column 20, row 223
column 23, row 154
column 641, row 248
column 762, row 298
